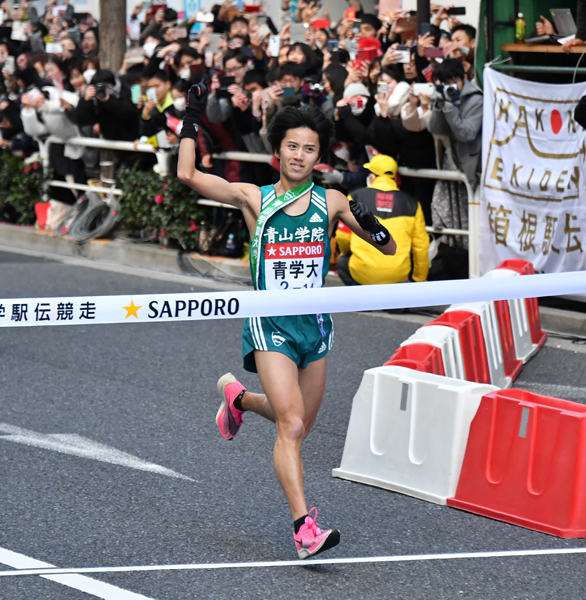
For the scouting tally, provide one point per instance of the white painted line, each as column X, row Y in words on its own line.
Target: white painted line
column 90, row 586
column 305, row 563
column 79, row 446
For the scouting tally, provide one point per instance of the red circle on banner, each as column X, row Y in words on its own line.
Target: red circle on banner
column 556, row 121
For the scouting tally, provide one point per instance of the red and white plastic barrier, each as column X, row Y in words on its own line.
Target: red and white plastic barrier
column 509, row 455
column 498, row 336
column 525, row 463
column 408, row 432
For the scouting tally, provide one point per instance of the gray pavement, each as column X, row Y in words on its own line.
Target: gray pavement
column 149, row 391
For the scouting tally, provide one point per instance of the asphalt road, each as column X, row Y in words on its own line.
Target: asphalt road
column 149, row 391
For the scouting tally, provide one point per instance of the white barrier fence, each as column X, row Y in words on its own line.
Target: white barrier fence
column 408, row 432
column 163, row 166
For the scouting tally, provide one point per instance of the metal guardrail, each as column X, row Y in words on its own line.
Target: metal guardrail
column 163, row 161
column 85, row 188
column 473, row 232
column 110, row 190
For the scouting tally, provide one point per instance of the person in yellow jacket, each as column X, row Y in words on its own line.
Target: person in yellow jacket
column 402, row 215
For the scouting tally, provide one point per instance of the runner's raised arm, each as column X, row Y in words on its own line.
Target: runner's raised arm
column 209, row 186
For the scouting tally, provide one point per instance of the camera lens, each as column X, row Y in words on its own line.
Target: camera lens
column 450, row 90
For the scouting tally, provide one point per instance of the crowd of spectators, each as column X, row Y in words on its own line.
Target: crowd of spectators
column 386, row 87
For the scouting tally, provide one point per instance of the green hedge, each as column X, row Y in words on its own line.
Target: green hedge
column 164, row 207
column 21, row 186
column 153, row 207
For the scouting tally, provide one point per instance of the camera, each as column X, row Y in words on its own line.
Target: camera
column 102, row 91
column 450, row 91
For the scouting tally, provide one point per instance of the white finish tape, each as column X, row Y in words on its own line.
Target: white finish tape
column 153, row 308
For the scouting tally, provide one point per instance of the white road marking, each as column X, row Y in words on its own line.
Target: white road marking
column 565, row 392
column 79, row 446
column 90, row 586
column 305, row 563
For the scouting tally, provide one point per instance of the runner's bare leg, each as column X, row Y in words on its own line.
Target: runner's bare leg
column 259, row 404
column 279, row 376
column 312, row 382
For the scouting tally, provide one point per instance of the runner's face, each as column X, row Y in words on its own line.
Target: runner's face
column 299, row 154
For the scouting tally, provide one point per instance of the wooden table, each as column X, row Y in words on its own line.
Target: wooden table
column 541, row 48
column 547, row 63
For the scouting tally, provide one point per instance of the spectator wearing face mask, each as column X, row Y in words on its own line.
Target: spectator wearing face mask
column 90, row 67
column 413, row 149
column 456, row 116
column 165, row 113
column 461, row 47
column 189, row 66
column 150, row 45
column 354, row 113
column 352, row 116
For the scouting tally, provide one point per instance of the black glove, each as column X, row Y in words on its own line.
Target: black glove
column 196, row 103
column 379, row 234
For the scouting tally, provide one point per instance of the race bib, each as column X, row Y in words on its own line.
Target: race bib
column 293, row 266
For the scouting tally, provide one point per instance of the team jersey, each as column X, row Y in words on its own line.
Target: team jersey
column 295, row 251
column 292, row 253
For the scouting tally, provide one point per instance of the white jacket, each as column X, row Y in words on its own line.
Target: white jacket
column 54, row 122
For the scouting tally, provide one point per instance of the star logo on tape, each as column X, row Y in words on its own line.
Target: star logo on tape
column 131, row 310
column 272, row 251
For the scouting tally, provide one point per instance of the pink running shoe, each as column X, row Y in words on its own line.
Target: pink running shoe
column 311, row 540
column 229, row 418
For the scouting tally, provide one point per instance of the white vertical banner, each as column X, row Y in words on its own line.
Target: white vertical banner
column 533, row 194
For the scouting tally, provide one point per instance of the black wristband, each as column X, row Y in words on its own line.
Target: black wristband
column 190, row 126
column 196, row 104
column 380, row 235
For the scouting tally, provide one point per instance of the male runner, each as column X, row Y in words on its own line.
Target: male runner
column 290, row 225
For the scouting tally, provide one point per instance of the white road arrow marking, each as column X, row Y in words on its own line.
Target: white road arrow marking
column 79, row 446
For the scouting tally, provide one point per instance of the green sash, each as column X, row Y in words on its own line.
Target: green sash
column 265, row 214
